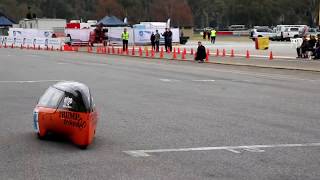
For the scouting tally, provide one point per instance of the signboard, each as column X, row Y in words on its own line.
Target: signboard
column 29, row 33
column 142, row 36
column 31, row 42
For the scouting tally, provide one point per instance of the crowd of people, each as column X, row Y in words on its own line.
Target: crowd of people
column 309, row 47
column 155, row 43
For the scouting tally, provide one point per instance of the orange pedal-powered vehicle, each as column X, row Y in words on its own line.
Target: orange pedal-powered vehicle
column 67, row 108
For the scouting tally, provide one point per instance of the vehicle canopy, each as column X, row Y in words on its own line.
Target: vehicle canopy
column 73, row 96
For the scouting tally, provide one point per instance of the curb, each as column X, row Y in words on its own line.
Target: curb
column 211, row 62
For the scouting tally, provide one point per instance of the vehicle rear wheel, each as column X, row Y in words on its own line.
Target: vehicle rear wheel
column 41, row 136
column 83, row 147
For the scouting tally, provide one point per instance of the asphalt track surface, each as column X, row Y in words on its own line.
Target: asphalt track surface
column 189, row 121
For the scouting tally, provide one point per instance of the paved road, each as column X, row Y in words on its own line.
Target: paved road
column 189, row 121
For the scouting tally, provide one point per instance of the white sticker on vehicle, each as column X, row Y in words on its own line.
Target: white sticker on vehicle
column 67, row 102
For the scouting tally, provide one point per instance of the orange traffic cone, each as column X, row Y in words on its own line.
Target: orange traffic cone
column 147, row 52
column 207, row 57
column 184, row 51
column 174, row 56
column 161, row 53
column 118, row 52
column 217, row 53
column 152, row 53
column 271, row 56
column 133, row 53
column 232, row 53
column 108, row 50
column 179, row 51
column 113, row 51
column 191, row 51
column 183, row 56
column 140, row 51
column 248, row 54
column 223, row 52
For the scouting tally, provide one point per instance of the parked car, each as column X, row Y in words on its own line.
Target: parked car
column 313, row 31
column 262, row 32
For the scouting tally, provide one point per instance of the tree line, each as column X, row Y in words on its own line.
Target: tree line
column 197, row 13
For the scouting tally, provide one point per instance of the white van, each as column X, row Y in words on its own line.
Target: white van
column 286, row 32
column 237, row 28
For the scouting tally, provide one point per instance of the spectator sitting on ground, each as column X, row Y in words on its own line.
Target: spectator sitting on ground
column 301, row 51
column 201, row 53
column 312, row 43
column 317, row 50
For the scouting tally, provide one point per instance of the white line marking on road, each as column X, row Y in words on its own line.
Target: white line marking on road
column 234, row 149
column 32, row 81
column 206, row 80
column 251, row 149
column 169, row 80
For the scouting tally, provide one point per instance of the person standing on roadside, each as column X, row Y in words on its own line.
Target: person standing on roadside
column 168, row 40
column 125, row 39
column 157, row 40
column 213, row 35
column 153, row 41
column 204, row 35
column 201, row 53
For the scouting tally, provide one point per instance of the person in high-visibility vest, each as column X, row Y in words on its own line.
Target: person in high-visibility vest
column 213, row 36
column 125, row 39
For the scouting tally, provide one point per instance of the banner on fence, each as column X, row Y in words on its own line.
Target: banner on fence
column 31, row 42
